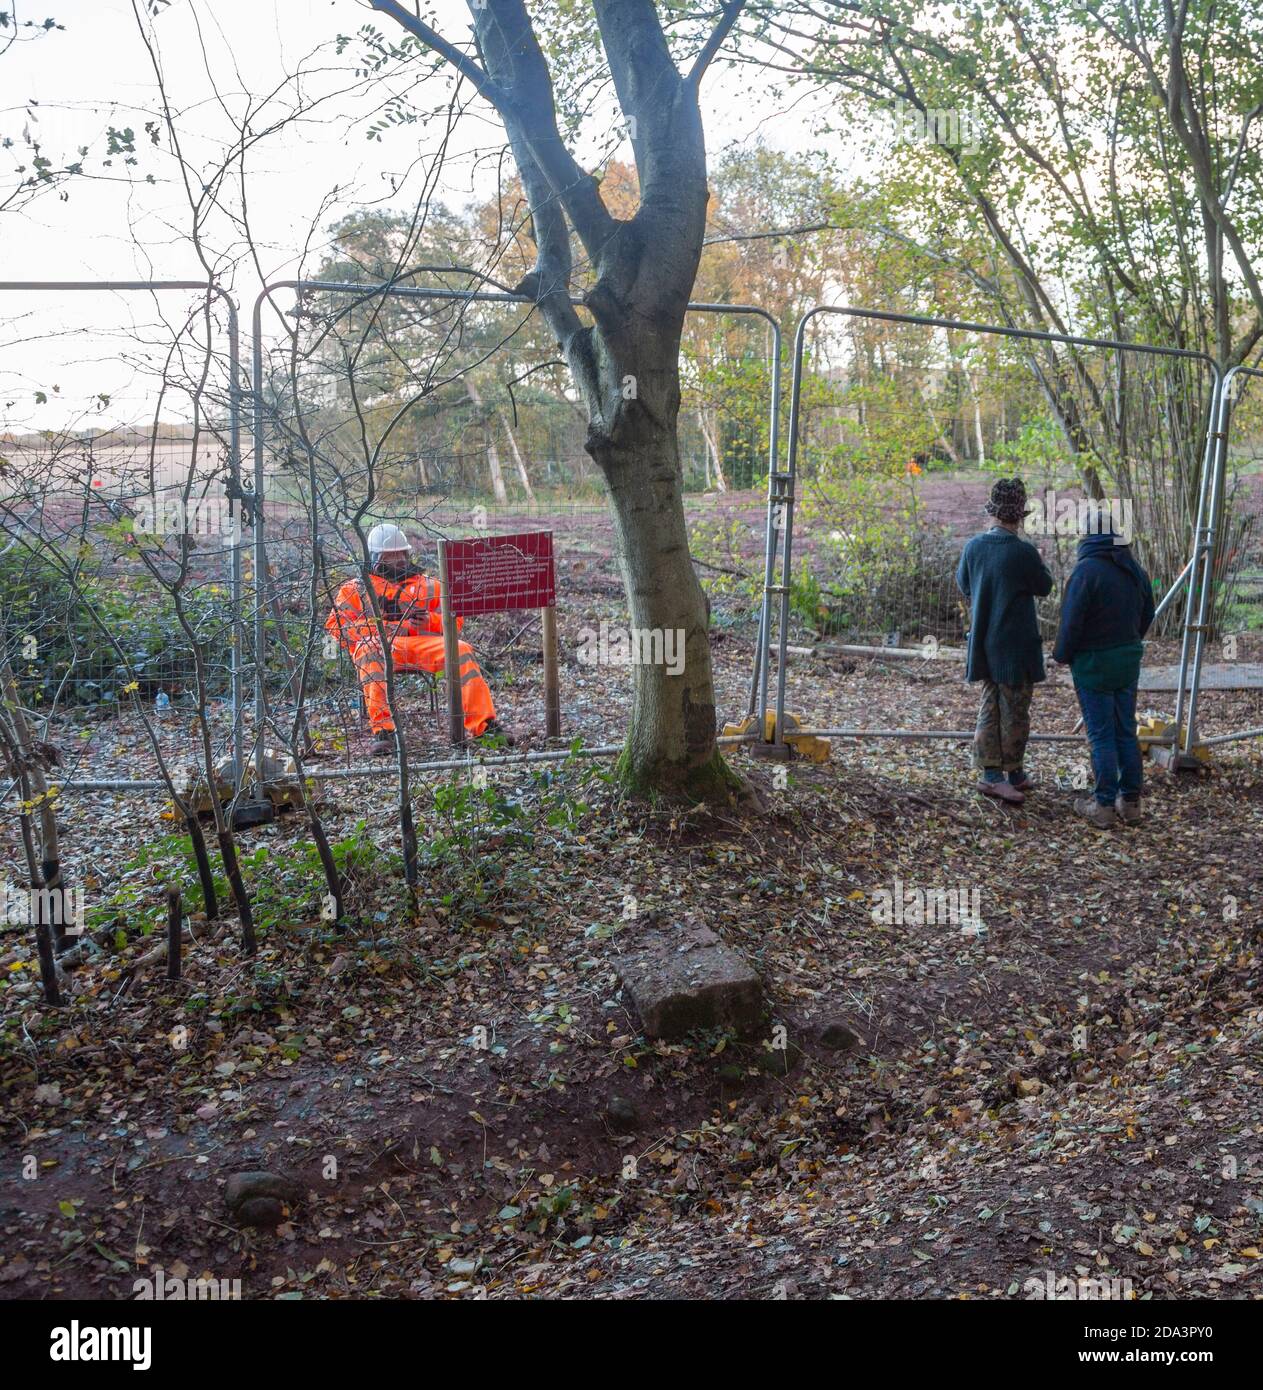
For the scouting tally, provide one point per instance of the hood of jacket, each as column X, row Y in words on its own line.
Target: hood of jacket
column 1107, row 545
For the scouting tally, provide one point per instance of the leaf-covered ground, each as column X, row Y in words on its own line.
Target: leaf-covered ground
column 1069, row 1087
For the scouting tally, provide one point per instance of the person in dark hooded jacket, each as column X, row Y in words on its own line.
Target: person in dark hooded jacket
column 1105, row 612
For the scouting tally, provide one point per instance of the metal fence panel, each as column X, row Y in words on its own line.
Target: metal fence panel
column 1195, row 438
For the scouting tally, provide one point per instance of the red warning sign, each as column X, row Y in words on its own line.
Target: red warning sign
column 494, row 574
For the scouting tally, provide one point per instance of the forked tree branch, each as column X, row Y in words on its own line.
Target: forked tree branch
column 529, row 110
column 432, row 39
column 731, row 11
column 517, row 83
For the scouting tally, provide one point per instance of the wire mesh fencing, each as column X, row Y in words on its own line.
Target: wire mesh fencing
column 134, row 578
column 1241, row 563
column 1230, row 696
column 120, row 517
column 899, row 424
column 909, row 424
column 143, row 590
column 448, row 413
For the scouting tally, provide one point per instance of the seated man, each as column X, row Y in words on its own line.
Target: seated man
column 409, row 603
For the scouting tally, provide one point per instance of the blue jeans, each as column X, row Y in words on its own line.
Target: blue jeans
column 1110, row 719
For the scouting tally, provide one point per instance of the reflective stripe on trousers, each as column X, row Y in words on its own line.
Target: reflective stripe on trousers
column 421, row 654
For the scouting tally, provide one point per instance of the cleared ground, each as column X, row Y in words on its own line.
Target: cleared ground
column 1071, row 1087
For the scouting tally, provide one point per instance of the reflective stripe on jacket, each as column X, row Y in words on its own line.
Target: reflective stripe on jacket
column 409, row 609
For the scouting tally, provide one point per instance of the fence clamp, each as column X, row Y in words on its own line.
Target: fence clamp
column 236, row 493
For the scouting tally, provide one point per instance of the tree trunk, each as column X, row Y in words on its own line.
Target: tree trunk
column 523, row 476
column 976, row 401
column 626, row 363
column 493, row 455
column 944, row 439
column 712, row 449
column 497, row 473
column 671, row 737
column 210, row 899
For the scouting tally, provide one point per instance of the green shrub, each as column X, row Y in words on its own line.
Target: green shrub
column 731, row 558
column 876, row 567
column 74, row 661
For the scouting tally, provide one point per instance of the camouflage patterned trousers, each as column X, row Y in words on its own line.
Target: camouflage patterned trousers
column 1004, row 725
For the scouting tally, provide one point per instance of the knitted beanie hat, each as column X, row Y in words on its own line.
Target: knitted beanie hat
column 1008, row 500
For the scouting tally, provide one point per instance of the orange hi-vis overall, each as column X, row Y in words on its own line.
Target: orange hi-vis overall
column 414, row 629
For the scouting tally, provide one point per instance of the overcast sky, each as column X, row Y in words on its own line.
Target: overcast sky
column 215, row 58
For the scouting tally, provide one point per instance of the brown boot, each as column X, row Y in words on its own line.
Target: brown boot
column 1094, row 813
column 1002, row 791
column 383, row 744
column 1128, row 811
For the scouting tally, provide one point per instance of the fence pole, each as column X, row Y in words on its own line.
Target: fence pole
column 236, row 497
column 1219, row 476
column 552, row 687
column 451, row 652
column 1215, row 465
column 260, row 550
column 1197, row 575
column 758, row 678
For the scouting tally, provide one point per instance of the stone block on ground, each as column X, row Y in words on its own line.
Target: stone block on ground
column 259, row 1198
column 684, row 978
column 838, row 1036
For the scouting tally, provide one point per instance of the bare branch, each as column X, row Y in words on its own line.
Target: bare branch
column 731, row 11
column 433, row 40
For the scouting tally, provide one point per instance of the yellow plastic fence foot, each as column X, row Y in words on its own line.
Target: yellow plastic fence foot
column 816, row 750
column 1164, row 745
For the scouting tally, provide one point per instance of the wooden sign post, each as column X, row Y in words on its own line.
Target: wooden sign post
column 552, row 689
column 499, row 574
column 451, row 651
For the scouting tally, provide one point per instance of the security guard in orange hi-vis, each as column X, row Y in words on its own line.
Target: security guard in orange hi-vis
column 409, row 603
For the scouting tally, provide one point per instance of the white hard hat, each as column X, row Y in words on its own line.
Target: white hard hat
column 387, row 537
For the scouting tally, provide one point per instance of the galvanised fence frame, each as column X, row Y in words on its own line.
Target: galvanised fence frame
column 368, row 292
column 774, row 610
column 1223, row 436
